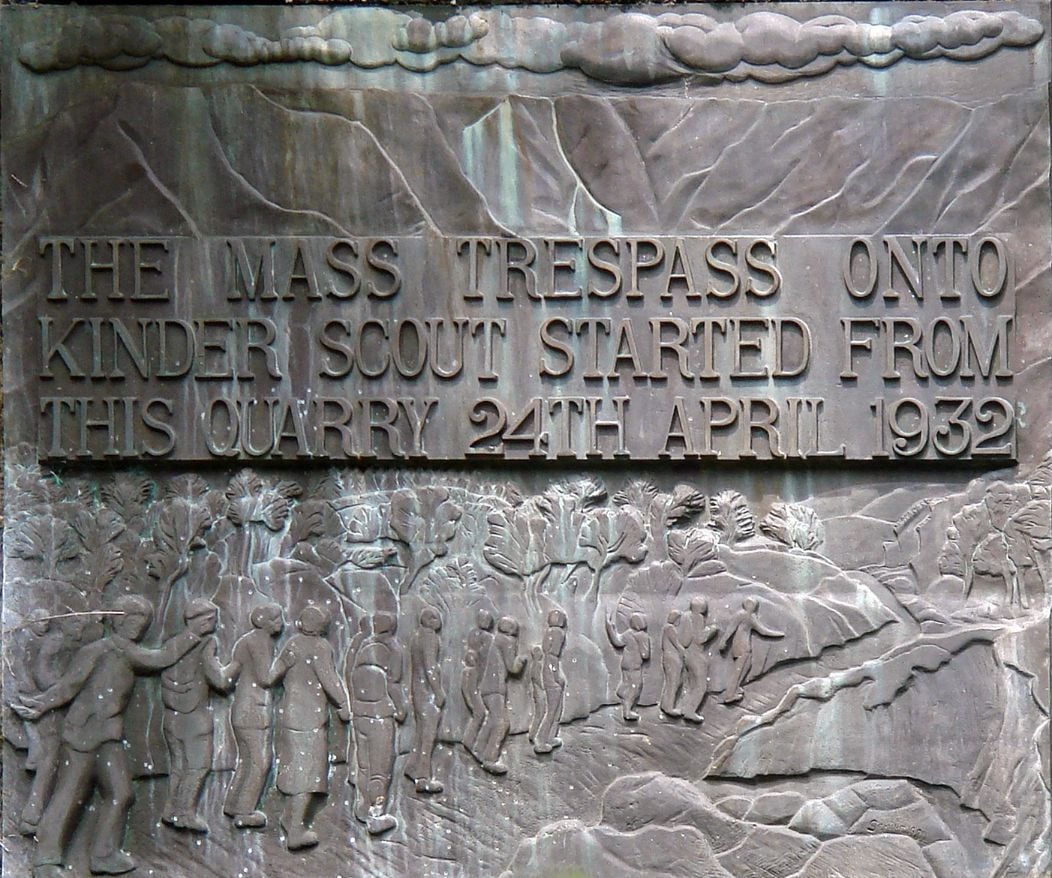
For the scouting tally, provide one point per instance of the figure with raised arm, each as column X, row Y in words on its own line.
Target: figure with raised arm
column 250, row 716
column 738, row 635
column 97, row 688
column 307, row 667
column 634, row 646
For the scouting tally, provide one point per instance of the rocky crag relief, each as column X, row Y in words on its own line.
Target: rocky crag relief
column 382, row 656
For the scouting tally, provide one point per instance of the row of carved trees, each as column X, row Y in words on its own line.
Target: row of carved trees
column 131, row 532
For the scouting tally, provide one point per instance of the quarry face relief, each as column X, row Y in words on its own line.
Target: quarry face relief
column 527, row 441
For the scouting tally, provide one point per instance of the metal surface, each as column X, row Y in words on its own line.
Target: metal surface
column 730, row 328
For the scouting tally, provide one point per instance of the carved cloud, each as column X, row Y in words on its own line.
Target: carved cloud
column 771, row 47
column 627, row 48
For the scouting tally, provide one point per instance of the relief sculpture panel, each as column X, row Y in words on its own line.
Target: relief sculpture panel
column 528, row 441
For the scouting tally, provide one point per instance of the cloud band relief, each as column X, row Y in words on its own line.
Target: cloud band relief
column 626, row 48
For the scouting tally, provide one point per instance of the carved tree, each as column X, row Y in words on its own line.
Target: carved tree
column 178, row 531
column 101, row 559
column 27, row 486
column 329, row 486
column 564, row 510
column 694, row 551
column 252, row 502
column 425, row 519
column 610, row 535
column 795, row 525
column 129, row 497
column 731, row 517
column 661, row 511
column 326, row 555
column 453, row 587
column 46, row 539
column 309, row 520
column 563, row 527
column 1039, row 480
column 515, row 544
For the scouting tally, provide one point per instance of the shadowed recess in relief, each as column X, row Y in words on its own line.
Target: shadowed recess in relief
column 627, row 49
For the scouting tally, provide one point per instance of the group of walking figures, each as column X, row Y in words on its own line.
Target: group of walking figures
column 74, row 707
column 689, row 647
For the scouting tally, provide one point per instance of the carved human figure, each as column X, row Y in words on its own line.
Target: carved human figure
column 97, row 687
column 470, row 677
column 479, row 641
column 634, row 646
column 365, row 629
column 428, row 697
column 249, row 672
column 1028, row 534
column 992, row 555
column 696, row 660
column 738, row 635
column 41, row 655
column 671, row 664
column 536, row 675
column 553, row 683
column 999, row 501
column 501, row 662
column 186, row 689
column 378, row 705
column 307, row 667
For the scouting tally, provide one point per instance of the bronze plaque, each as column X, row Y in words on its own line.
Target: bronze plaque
column 528, row 441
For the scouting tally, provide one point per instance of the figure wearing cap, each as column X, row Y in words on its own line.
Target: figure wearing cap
column 189, row 728
column 97, row 688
